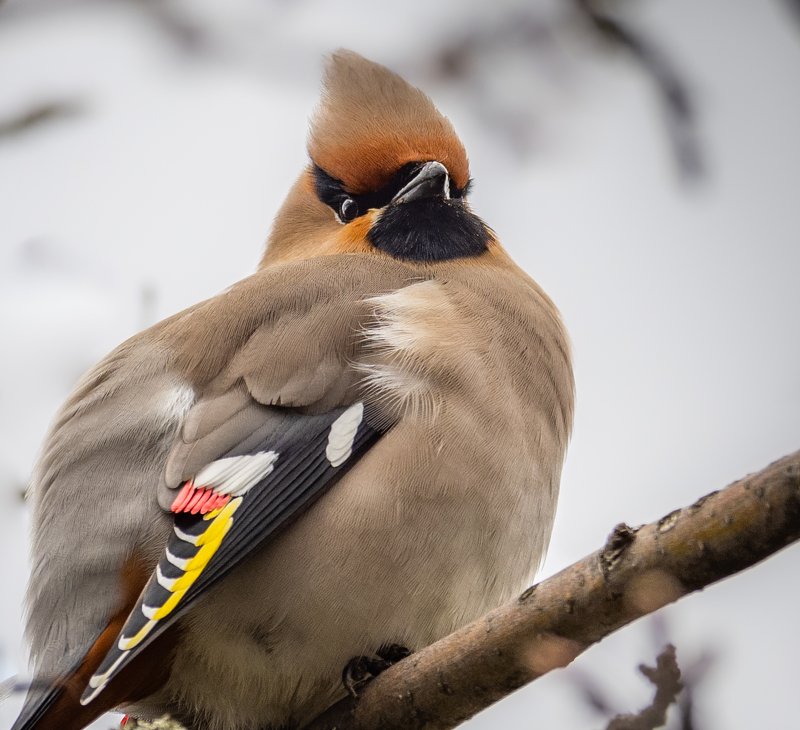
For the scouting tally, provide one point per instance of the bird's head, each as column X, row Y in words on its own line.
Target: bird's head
column 387, row 174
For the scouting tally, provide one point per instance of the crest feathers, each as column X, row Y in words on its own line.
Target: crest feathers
column 370, row 122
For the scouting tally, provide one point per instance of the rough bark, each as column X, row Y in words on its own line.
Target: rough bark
column 637, row 571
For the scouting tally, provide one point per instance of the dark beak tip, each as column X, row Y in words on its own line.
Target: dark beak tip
column 431, row 180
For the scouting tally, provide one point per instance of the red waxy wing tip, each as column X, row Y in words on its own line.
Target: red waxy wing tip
column 198, row 500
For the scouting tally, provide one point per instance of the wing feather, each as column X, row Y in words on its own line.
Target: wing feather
column 297, row 457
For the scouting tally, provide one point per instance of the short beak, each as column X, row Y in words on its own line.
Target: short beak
column 432, row 180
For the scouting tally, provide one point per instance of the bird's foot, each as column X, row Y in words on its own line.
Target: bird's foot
column 361, row 670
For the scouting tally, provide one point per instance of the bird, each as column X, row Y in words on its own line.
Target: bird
column 336, row 461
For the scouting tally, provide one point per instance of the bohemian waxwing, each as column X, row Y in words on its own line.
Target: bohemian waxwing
column 358, row 446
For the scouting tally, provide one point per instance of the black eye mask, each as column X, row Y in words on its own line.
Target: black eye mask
column 349, row 206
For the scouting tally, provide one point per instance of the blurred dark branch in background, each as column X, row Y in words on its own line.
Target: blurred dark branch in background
column 666, row 677
column 170, row 18
column 459, row 56
column 527, row 29
column 40, row 115
column 595, row 694
column 676, row 99
column 533, row 32
column 519, row 28
column 189, row 35
column 794, row 8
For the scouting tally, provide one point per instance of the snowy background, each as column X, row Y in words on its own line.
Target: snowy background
column 174, row 130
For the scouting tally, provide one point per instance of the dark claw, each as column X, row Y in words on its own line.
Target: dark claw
column 357, row 673
column 393, row 653
column 360, row 670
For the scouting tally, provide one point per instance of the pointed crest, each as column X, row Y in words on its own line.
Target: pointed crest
column 370, row 122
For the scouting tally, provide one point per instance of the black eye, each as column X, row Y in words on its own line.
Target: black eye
column 348, row 210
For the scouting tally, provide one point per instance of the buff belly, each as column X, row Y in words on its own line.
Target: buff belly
column 378, row 560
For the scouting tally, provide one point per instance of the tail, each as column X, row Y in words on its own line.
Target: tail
column 57, row 706
column 45, row 705
column 54, row 704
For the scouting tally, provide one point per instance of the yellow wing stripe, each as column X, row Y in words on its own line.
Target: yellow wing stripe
column 166, row 608
column 210, row 540
column 128, row 642
column 220, row 521
column 220, row 524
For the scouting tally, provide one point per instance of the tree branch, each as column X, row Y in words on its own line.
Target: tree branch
column 637, row 571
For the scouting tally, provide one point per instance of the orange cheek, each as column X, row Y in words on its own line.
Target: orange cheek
column 352, row 238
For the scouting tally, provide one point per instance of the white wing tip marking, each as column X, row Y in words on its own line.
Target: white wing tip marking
column 343, row 433
column 163, row 581
column 87, row 696
column 98, row 682
column 236, row 475
column 176, row 561
column 181, row 535
column 126, row 643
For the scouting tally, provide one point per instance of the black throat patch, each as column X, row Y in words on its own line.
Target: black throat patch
column 431, row 229
column 424, row 229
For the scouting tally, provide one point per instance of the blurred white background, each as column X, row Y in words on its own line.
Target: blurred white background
column 177, row 127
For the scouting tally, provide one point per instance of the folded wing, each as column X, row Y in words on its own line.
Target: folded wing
column 283, row 460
